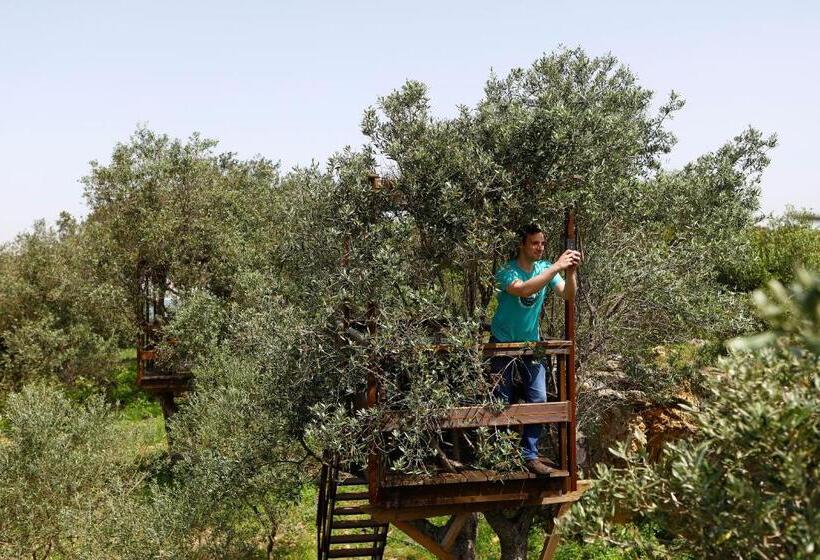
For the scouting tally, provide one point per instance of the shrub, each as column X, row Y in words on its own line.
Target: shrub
column 58, row 462
column 745, row 487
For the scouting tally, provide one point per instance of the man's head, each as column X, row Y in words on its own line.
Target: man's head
column 531, row 243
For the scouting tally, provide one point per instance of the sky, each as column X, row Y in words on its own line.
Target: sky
column 290, row 81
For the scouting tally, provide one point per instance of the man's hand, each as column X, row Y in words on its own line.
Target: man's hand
column 568, row 260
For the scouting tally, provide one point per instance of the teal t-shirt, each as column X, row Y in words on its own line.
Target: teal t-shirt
column 516, row 318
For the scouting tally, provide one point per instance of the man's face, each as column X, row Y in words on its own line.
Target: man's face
column 533, row 247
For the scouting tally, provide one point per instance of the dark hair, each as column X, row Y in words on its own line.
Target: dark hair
column 528, row 230
column 523, row 234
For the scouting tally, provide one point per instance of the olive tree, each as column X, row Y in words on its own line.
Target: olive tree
column 292, row 289
column 59, row 319
column 59, row 462
column 744, row 486
column 570, row 131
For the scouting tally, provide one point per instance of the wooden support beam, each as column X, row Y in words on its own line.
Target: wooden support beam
column 424, row 540
column 489, row 349
column 455, row 528
column 563, row 429
column 390, row 514
column 470, row 493
column 555, row 346
column 395, row 480
column 551, row 542
column 571, row 484
column 512, row 415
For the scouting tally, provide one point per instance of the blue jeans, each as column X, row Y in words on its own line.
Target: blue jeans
column 530, row 376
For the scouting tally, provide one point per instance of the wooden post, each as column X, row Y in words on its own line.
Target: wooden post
column 374, row 461
column 569, row 334
column 563, row 428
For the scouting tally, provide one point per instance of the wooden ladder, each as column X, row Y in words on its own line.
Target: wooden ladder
column 343, row 529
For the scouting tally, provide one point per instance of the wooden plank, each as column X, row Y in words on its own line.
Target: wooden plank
column 544, row 347
column 352, row 481
column 563, row 429
column 463, row 477
column 353, row 552
column 512, row 415
column 475, row 492
column 389, row 515
column 569, row 334
column 574, row 496
column 358, row 538
column 492, row 346
column 347, row 511
column 424, row 540
column 551, row 543
column 453, row 531
column 512, row 349
column 351, row 496
column 357, row 524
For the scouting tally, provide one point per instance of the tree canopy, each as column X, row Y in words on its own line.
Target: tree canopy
column 283, row 291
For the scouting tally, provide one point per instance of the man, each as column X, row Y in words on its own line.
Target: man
column 523, row 284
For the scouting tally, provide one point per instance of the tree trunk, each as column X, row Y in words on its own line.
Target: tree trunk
column 169, row 408
column 512, row 528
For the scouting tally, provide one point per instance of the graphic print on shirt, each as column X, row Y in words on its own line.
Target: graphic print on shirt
column 528, row 301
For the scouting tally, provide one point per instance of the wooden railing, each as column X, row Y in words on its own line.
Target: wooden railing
column 561, row 412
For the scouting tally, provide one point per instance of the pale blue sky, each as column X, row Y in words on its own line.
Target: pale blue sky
column 290, row 80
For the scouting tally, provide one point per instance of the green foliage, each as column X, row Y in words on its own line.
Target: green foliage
column 58, row 463
column 283, row 293
column 424, row 245
column 773, row 251
column 58, row 319
column 744, row 488
column 178, row 213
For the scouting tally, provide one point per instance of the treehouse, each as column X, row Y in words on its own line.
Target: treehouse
column 355, row 510
column 164, row 383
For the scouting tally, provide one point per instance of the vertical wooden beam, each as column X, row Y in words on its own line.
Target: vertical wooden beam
column 374, row 460
column 424, row 540
column 569, row 334
column 563, row 427
column 551, row 543
column 456, row 440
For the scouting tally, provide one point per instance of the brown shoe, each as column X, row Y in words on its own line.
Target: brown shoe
column 548, row 462
column 537, row 467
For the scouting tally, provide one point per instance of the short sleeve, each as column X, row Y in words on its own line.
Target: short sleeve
column 504, row 277
column 556, row 280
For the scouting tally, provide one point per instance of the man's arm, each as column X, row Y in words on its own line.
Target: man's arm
column 520, row 288
column 566, row 288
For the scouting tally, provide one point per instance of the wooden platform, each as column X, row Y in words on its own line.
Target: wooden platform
column 403, row 480
column 164, row 384
column 543, row 498
column 156, row 381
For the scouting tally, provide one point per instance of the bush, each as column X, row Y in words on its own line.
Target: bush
column 773, row 251
column 58, row 463
column 745, row 487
